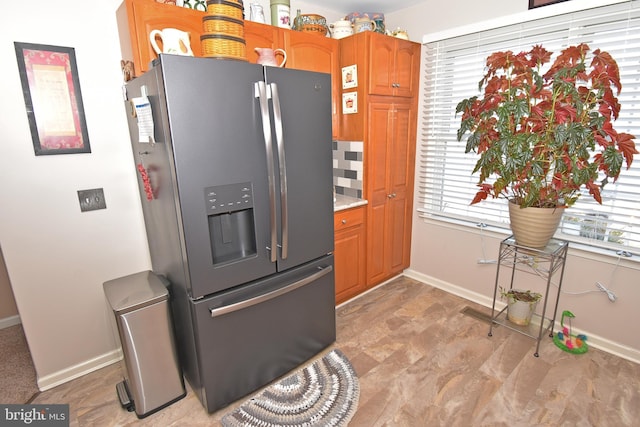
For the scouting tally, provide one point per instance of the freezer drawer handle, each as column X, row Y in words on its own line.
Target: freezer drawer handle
column 215, row 312
column 263, row 96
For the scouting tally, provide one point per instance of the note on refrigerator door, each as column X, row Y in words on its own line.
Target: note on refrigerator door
column 144, row 116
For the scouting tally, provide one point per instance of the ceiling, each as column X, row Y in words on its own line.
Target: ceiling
column 381, row 6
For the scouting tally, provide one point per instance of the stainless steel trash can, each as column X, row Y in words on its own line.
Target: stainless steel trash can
column 153, row 378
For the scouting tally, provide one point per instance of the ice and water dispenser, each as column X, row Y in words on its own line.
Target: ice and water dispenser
column 231, row 222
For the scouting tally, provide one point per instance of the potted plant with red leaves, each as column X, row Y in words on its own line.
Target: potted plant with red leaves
column 542, row 136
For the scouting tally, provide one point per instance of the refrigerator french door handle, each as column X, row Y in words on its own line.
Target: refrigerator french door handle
column 277, row 122
column 263, row 96
column 220, row 311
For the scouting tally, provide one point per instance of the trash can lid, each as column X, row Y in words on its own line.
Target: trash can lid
column 137, row 290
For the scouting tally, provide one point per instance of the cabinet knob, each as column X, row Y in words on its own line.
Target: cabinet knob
column 344, row 221
column 391, row 196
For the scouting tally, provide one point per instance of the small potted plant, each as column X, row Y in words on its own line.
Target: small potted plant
column 543, row 136
column 520, row 305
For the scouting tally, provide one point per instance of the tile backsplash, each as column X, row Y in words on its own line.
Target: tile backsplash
column 348, row 167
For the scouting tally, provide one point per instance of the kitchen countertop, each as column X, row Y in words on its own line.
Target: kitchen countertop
column 345, row 202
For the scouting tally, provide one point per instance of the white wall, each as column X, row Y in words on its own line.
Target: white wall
column 305, row 8
column 446, row 255
column 433, row 16
column 57, row 257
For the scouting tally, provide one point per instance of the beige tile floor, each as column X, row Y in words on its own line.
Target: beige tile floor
column 421, row 362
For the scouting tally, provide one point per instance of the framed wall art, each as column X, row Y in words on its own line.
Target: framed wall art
column 52, row 97
column 537, row 3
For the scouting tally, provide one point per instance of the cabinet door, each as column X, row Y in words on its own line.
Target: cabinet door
column 142, row 16
column 394, row 66
column 310, row 52
column 259, row 35
column 390, row 166
column 313, row 52
column 407, row 68
column 381, row 66
column 377, row 161
column 305, row 51
column 401, row 155
column 349, row 253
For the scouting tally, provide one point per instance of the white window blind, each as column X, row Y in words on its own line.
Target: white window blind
column 453, row 69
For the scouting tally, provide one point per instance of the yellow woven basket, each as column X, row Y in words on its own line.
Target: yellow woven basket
column 223, row 25
column 227, row 8
column 223, row 46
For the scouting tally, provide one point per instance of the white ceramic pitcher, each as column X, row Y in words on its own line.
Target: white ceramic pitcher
column 174, row 41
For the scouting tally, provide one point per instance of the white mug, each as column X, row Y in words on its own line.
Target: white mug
column 174, row 41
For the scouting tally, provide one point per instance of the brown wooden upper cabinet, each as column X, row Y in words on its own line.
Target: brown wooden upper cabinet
column 305, row 51
column 393, row 64
column 386, row 67
column 136, row 19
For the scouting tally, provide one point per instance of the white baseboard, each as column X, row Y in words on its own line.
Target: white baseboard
column 595, row 341
column 9, row 321
column 73, row 372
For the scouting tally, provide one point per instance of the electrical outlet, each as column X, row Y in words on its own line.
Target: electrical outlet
column 612, row 297
column 91, row 200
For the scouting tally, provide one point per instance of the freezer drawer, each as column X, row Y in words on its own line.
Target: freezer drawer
column 251, row 336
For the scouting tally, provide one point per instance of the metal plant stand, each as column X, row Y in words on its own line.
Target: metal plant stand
column 546, row 263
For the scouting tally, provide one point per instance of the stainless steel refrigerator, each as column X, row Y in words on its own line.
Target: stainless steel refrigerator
column 234, row 168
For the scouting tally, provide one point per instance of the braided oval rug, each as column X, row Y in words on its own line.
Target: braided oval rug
column 324, row 393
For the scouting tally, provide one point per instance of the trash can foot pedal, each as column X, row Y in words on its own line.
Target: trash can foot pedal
column 123, row 396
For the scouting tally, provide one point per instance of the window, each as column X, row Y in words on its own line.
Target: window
column 453, row 68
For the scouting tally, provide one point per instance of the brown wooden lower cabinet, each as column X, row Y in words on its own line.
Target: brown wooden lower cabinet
column 350, row 252
column 387, row 71
column 390, row 153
